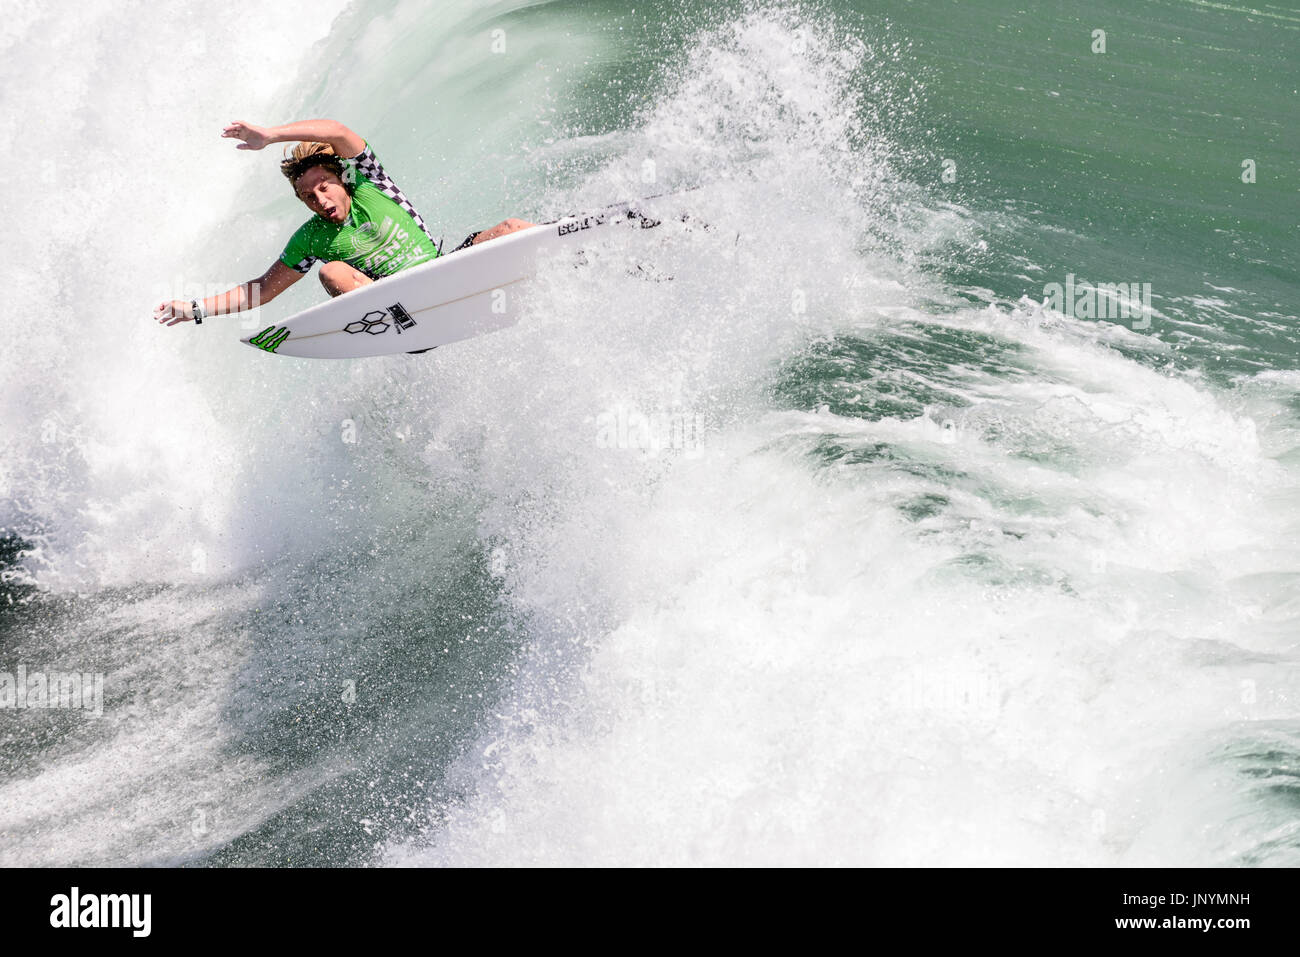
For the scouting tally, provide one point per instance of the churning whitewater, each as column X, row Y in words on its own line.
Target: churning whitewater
column 803, row 532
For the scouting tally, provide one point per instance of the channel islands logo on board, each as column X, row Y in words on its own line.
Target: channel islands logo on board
column 377, row 321
column 372, row 322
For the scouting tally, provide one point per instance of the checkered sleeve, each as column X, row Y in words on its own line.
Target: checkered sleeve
column 369, row 166
column 298, row 253
column 302, row 265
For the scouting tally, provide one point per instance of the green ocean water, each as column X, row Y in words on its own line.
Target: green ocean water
column 1130, row 162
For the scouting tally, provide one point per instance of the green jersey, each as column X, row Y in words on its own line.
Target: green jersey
column 382, row 234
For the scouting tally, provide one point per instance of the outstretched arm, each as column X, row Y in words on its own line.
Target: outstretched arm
column 345, row 142
column 249, row 295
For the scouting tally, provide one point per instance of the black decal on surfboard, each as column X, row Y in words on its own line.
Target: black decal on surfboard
column 401, row 317
column 375, row 322
column 577, row 225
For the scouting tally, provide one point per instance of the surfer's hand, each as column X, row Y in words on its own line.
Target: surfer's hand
column 254, row 137
column 170, row 313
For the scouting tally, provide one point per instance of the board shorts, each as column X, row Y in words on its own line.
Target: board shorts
column 469, row 241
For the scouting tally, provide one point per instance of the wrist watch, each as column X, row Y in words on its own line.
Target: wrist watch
column 197, row 307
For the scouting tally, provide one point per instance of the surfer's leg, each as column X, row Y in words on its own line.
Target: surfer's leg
column 502, row 229
column 338, row 277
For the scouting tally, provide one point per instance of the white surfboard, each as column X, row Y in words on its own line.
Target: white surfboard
column 456, row 296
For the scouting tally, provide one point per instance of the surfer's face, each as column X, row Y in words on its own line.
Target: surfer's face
column 324, row 194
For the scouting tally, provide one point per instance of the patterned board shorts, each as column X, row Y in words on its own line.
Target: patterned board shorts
column 469, row 241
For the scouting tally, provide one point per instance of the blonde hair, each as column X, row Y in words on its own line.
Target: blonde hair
column 305, row 155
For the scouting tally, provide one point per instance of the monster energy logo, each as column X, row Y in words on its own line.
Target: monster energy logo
column 270, row 338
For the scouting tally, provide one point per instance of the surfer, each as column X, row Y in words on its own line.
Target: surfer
column 363, row 227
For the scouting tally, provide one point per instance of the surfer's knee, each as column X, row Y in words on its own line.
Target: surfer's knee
column 503, row 228
column 339, row 277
